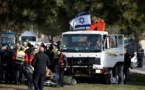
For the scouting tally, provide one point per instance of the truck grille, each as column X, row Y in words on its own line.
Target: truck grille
column 83, row 61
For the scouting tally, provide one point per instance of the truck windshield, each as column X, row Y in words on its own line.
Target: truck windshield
column 29, row 38
column 81, row 43
column 8, row 38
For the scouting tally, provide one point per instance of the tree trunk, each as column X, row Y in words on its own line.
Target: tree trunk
column 50, row 38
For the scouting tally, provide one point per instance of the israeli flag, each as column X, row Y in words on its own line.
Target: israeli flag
column 81, row 21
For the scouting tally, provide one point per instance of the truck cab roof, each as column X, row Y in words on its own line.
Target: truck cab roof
column 86, row 32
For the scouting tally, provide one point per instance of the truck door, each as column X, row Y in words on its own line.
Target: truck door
column 115, row 51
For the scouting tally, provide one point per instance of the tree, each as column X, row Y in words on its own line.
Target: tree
column 52, row 17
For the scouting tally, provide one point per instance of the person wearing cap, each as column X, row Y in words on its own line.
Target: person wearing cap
column 20, row 58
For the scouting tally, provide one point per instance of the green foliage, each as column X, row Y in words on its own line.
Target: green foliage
column 52, row 17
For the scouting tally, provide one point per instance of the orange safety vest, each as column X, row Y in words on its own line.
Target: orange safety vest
column 98, row 25
column 61, row 60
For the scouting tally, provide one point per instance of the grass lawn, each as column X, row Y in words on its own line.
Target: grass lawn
column 135, row 82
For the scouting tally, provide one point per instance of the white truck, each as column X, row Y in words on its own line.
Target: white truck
column 93, row 54
column 28, row 35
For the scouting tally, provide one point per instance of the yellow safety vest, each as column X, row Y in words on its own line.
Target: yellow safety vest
column 20, row 56
column 55, row 53
column 25, row 48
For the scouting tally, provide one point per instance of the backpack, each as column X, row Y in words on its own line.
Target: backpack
column 28, row 69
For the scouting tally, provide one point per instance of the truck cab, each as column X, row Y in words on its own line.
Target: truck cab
column 92, row 53
column 28, row 36
column 8, row 37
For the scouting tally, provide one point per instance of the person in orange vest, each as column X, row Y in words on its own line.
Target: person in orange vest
column 62, row 62
column 20, row 58
column 98, row 25
column 32, row 54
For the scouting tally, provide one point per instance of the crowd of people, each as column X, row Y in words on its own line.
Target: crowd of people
column 37, row 64
column 32, row 64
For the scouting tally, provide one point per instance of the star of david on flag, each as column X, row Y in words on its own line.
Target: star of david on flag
column 81, row 21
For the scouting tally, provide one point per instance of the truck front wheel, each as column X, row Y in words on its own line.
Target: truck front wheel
column 109, row 79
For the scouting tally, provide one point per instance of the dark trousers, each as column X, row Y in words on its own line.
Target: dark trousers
column 38, row 80
column 120, row 74
column 9, row 74
column 61, row 78
column 29, row 77
column 19, row 74
column 126, row 73
column 140, row 61
column 30, row 82
column 3, row 70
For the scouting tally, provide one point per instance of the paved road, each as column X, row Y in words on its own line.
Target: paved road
column 139, row 70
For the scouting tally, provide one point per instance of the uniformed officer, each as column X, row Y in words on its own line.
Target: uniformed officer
column 20, row 58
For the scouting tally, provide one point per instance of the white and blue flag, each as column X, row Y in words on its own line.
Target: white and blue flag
column 81, row 21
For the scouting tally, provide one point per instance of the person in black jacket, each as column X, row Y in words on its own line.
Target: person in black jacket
column 4, row 57
column 127, row 64
column 10, row 64
column 40, row 62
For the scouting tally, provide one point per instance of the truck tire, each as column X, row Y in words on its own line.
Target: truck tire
column 112, row 76
column 116, row 74
column 108, row 78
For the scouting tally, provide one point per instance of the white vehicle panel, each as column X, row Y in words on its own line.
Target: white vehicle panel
column 82, row 54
